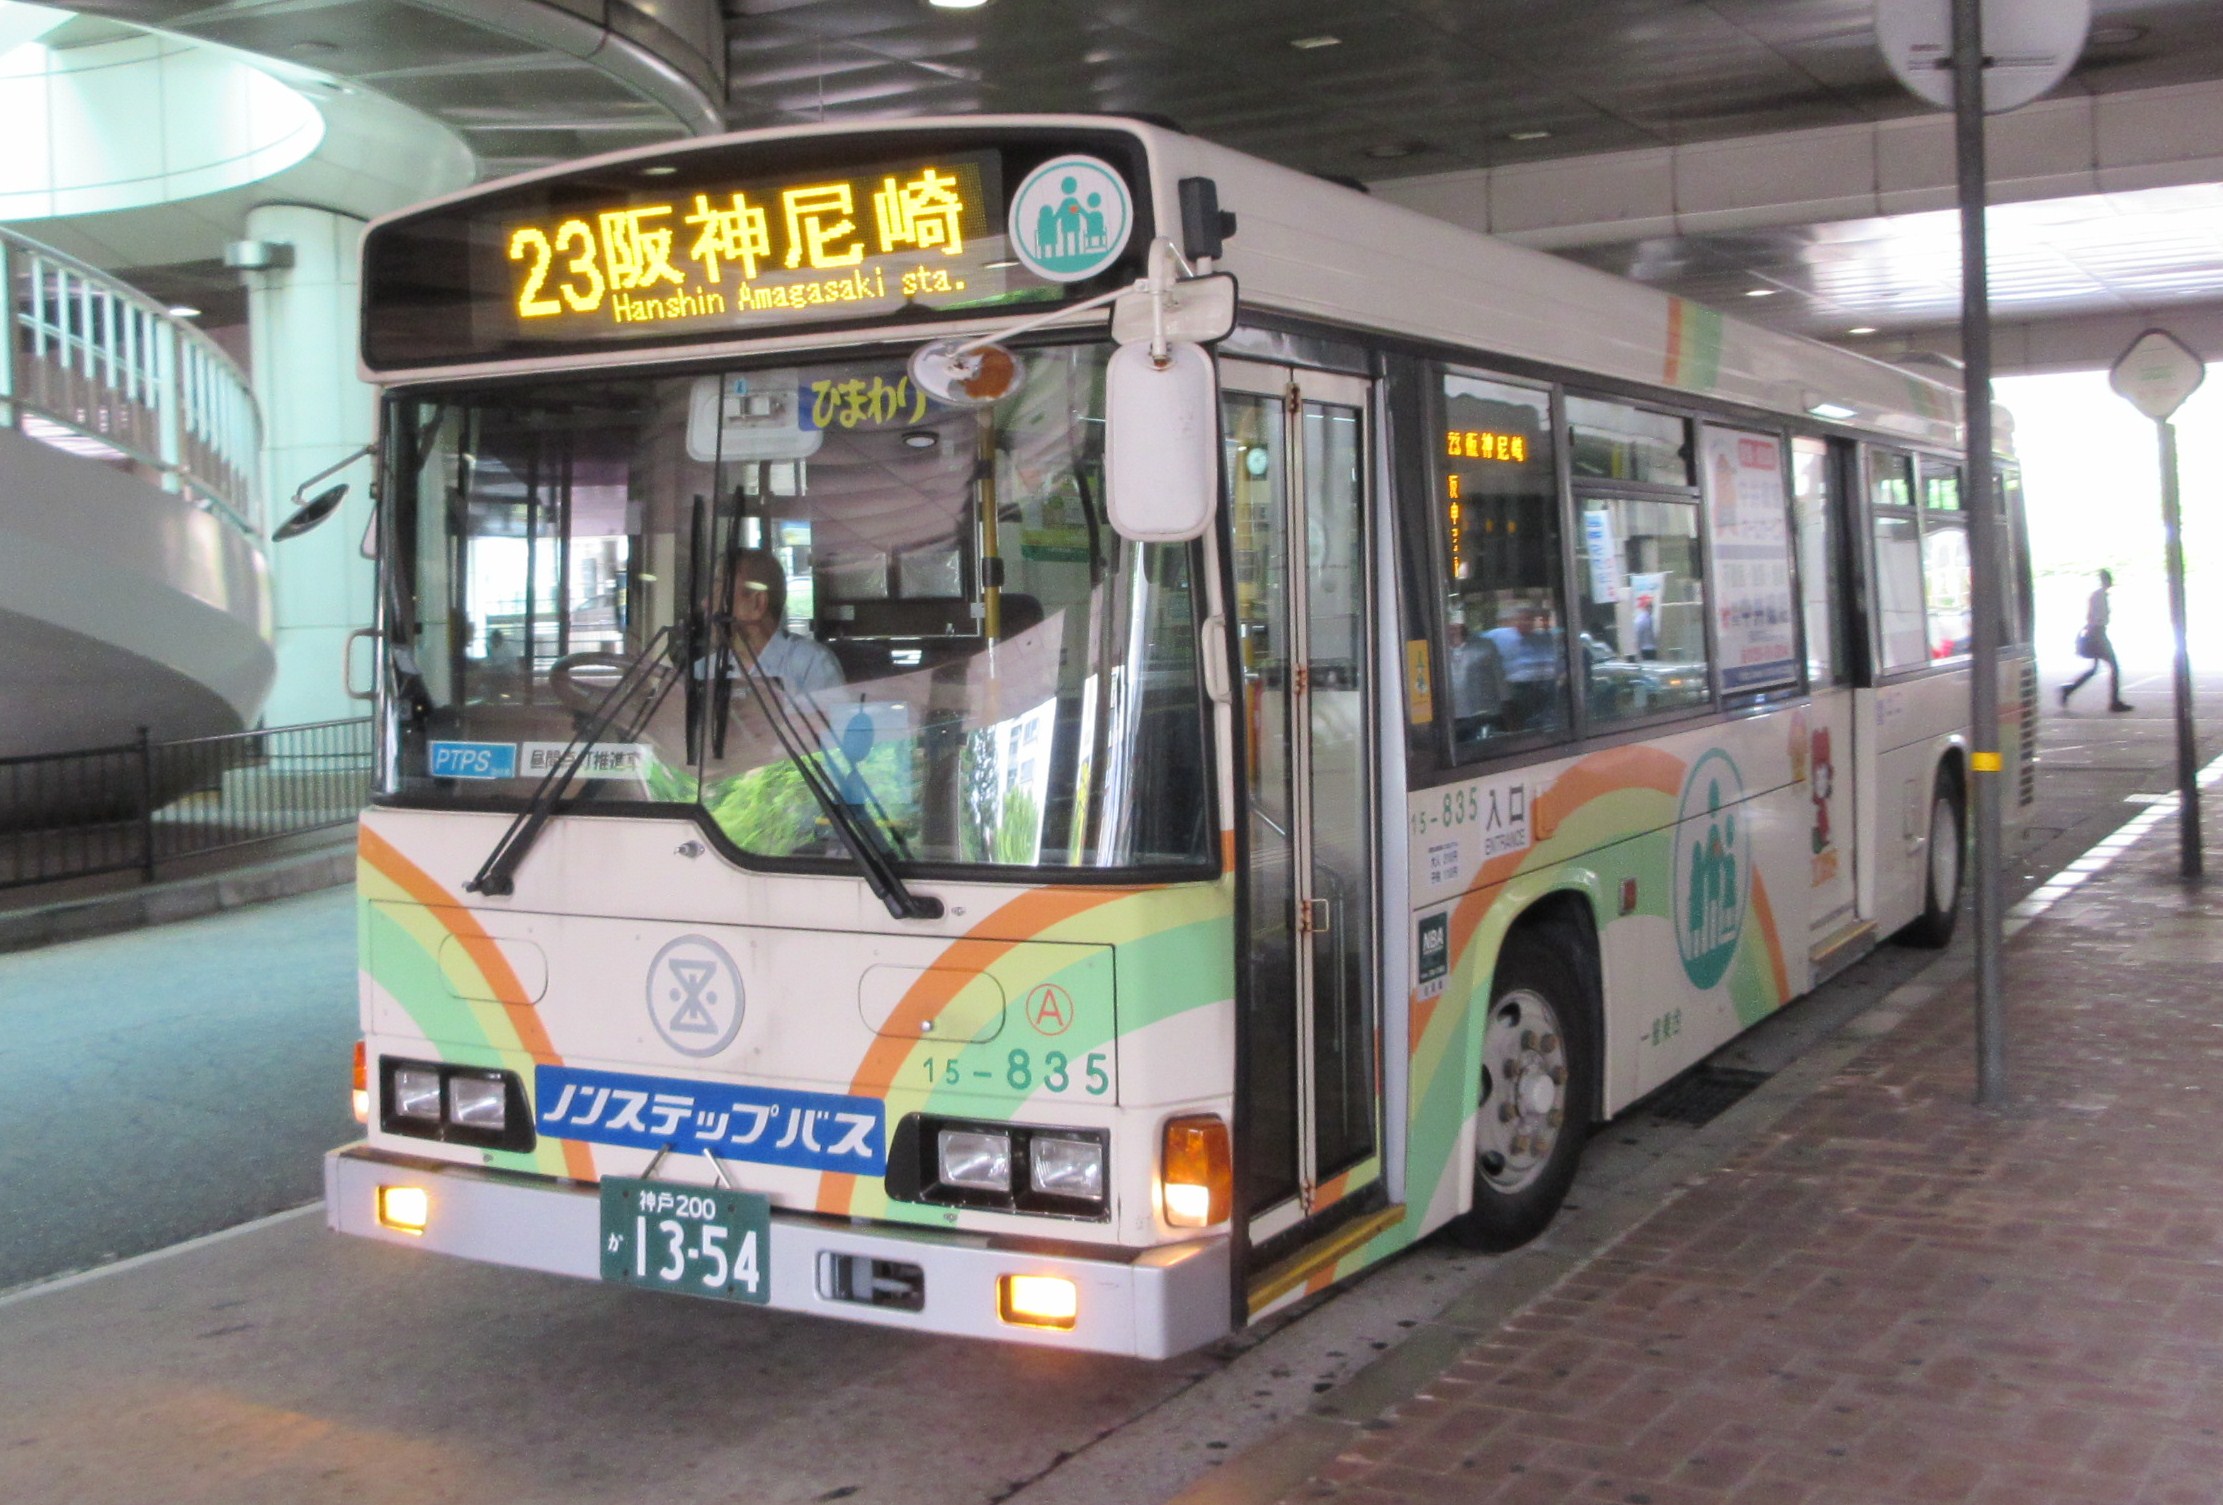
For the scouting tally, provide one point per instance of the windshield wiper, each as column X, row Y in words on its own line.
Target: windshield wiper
column 875, row 861
column 496, row 876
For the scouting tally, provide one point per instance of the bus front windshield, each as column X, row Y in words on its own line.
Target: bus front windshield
column 921, row 603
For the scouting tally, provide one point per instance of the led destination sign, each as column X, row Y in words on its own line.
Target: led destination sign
column 747, row 238
column 865, row 243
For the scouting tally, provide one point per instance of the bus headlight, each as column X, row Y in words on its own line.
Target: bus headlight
column 1000, row 1167
column 1066, row 1167
column 976, row 1161
column 471, row 1105
column 416, row 1093
column 478, row 1102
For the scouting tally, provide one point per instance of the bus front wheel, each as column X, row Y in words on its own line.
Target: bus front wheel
column 1537, row 1092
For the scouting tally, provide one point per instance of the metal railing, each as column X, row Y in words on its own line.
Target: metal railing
column 100, row 369
column 136, row 805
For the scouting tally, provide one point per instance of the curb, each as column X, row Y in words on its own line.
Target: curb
column 180, row 899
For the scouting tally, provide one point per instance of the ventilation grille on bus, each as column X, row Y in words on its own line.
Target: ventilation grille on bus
column 2026, row 773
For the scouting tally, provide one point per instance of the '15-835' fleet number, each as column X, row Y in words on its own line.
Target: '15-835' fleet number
column 1024, row 1071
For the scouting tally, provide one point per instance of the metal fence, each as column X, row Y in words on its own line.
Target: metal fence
column 139, row 804
column 98, row 368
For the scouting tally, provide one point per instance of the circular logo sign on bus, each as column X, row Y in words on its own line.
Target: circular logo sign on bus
column 694, row 996
column 1713, row 868
column 1071, row 218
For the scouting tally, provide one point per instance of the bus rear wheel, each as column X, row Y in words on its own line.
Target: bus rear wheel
column 1941, row 880
column 1537, row 1092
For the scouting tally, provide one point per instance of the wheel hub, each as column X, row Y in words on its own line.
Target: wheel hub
column 1524, row 1089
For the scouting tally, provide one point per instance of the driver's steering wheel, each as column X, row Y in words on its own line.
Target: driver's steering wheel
column 580, row 680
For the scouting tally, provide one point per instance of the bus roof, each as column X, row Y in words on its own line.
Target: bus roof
column 1312, row 248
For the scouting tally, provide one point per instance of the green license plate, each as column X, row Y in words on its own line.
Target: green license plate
column 697, row 1240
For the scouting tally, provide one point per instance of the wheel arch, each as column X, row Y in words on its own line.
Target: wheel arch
column 1952, row 766
column 1567, row 917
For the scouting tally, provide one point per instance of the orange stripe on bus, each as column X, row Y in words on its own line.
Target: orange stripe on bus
column 1764, row 913
column 485, row 954
column 1417, row 1022
column 1592, row 778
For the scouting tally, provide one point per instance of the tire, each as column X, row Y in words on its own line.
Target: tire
column 1945, row 868
column 1538, row 1091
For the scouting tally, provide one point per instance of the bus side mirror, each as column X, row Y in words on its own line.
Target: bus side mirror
column 1161, row 442
column 1199, row 310
column 311, row 512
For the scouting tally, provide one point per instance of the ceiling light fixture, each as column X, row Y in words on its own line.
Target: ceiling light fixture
column 660, row 170
column 1759, row 292
column 1528, row 135
column 183, row 311
column 1314, row 44
column 1863, row 329
column 956, row 4
column 1832, row 410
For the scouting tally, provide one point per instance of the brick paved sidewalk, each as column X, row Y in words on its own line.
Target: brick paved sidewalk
column 1892, row 1295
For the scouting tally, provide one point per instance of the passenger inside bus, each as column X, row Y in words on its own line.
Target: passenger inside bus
column 1528, row 644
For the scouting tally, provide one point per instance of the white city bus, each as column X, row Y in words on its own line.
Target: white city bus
column 1030, row 727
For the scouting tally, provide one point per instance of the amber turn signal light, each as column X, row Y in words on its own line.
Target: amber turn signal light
column 1199, row 1172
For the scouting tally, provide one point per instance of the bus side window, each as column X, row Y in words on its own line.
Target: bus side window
column 1497, row 518
column 1815, row 507
column 1947, row 583
column 2014, row 601
column 1902, row 638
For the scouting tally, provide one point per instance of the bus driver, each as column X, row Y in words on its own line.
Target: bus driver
column 759, row 607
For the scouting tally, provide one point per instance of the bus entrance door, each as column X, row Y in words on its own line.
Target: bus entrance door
column 1309, row 1146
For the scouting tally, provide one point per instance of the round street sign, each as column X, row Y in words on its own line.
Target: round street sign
column 2029, row 46
column 2157, row 373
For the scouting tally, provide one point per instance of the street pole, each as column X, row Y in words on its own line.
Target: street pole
column 2188, row 776
column 1979, row 501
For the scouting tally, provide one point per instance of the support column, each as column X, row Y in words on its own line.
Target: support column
column 302, row 322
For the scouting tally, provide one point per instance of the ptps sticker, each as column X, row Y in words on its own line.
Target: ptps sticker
column 1050, row 1009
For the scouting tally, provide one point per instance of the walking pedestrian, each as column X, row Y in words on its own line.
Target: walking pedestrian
column 2092, row 643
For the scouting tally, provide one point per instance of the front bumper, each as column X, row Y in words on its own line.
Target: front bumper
column 1161, row 1302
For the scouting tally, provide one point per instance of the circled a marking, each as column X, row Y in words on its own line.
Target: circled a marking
column 1050, row 1009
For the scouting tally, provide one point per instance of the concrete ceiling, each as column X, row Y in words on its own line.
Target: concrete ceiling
column 1710, row 147
column 1394, row 87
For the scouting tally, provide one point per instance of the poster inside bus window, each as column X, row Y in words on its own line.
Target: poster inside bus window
column 1752, row 560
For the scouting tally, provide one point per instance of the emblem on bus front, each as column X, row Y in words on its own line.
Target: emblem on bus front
column 1071, row 218
column 1713, row 868
column 694, row 996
